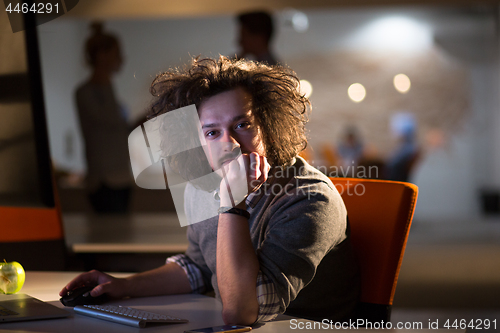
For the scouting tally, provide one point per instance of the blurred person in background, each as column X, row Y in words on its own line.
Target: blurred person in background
column 350, row 150
column 104, row 126
column 255, row 34
column 401, row 162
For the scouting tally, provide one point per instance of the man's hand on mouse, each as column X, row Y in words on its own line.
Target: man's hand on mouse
column 241, row 177
column 105, row 284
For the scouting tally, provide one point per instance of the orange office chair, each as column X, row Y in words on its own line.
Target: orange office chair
column 380, row 214
column 34, row 237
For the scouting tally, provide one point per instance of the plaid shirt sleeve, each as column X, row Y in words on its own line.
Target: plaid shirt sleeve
column 192, row 271
column 266, row 294
column 267, row 298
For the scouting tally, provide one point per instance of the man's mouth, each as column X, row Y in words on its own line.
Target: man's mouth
column 226, row 160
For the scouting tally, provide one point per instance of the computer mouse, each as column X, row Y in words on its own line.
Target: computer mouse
column 81, row 296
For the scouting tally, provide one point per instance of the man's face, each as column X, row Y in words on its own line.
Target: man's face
column 229, row 127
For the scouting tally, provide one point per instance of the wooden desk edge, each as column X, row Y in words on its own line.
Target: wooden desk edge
column 128, row 248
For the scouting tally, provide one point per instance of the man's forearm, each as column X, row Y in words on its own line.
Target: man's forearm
column 237, row 269
column 165, row 280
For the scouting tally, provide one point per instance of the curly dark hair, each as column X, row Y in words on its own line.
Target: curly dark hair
column 280, row 109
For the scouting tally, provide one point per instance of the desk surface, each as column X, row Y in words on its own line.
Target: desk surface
column 202, row 311
column 135, row 233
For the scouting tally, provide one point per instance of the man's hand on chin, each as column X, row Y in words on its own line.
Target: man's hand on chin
column 241, row 177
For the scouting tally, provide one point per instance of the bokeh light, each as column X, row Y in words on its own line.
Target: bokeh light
column 394, row 33
column 305, row 88
column 356, row 92
column 402, row 83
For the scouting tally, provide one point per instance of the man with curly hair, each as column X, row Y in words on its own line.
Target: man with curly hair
column 284, row 247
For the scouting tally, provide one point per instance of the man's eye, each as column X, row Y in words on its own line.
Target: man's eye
column 211, row 133
column 243, row 125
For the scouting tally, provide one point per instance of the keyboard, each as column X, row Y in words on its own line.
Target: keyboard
column 125, row 315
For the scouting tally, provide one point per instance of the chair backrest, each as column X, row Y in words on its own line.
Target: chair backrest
column 380, row 214
column 33, row 236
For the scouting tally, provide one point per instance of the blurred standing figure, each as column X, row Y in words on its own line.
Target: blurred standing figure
column 350, row 150
column 104, row 126
column 407, row 153
column 256, row 32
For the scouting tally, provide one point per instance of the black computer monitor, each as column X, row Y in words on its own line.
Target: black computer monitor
column 30, row 220
column 25, row 165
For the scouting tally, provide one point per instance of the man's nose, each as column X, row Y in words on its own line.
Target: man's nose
column 230, row 141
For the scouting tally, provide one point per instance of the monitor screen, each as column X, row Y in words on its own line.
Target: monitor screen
column 25, row 167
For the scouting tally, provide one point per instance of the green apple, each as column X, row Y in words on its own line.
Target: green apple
column 11, row 277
